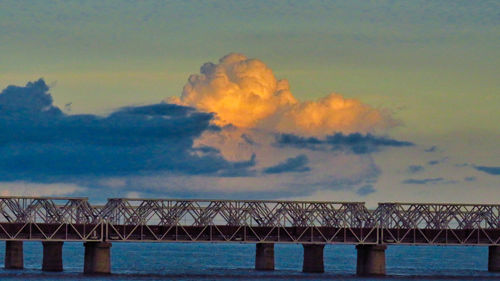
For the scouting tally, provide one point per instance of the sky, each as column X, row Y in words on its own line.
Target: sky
column 320, row 100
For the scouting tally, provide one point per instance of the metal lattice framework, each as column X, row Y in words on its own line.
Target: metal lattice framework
column 239, row 221
column 441, row 224
column 49, row 218
column 247, row 221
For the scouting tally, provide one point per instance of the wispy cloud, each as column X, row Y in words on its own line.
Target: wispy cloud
column 22, row 188
column 492, row 170
column 470, row 179
column 365, row 190
column 293, row 164
column 423, row 181
column 355, row 143
column 412, row 169
column 431, row 149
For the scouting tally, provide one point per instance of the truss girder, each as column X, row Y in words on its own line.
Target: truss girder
column 122, row 219
column 49, row 218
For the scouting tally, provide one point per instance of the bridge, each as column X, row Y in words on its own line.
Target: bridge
column 55, row 220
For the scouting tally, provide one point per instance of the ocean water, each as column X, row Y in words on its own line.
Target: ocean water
column 204, row 261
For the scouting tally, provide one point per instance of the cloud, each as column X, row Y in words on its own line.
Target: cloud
column 355, row 143
column 293, row 164
column 423, row 181
column 492, row 170
column 338, row 175
column 245, row 93
column 412, row 169
column 437, row 161
column 365, row 190
column 22, row 188
column 248, row 139
column 431, row 149
column 239, row 90
column 327, row 169
column 44, row 144
column 231, row 133
column 470, row 179
column 258, row 115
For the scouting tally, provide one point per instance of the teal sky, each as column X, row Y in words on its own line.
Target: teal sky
column 434, row 63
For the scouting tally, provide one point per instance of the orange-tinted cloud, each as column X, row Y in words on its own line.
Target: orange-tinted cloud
column 245, row 93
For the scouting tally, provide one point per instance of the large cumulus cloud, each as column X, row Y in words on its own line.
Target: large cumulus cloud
column 259, row 117
column 245, row 93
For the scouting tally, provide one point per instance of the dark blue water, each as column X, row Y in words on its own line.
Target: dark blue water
column 162, row 261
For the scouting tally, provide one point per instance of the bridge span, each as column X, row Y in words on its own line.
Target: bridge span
column 55, row 220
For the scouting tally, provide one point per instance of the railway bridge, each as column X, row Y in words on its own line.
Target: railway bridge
column 55, row 220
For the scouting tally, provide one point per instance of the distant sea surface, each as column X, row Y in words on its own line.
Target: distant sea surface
column 184, row 261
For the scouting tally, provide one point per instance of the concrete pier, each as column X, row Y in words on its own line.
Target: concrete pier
column 14, row 258
column 313, row 258
column 97, row 258
column 52, row 256
column 494, row 258
column 264, row 256
column 371, row 260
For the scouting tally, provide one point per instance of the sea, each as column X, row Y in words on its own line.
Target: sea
column 207, row 261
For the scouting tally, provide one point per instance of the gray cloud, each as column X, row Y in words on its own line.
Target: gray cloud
column 352, row 143
column 365, row 190
column 248, row 139
column 423, row 181
column 431, row 149
column 492, row 170
column 470, row 179
column 41, row 143
column 293, row 164
column 412, row 169
column 437, row 161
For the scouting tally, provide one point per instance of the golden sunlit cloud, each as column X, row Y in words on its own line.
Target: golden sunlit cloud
column 245, row 93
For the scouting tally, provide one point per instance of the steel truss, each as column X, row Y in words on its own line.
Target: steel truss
column 239, row 221
column 49, row 218
column 247, row 221
column 439, row 224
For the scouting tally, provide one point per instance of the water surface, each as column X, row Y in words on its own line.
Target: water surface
column 206, row 261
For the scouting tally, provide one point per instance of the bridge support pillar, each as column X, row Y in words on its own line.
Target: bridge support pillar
column 52, row 256
column 14, row 258
column 494, row 258
column 97, row 258
column 264, row 256
column 371, row 260
column 313, row 258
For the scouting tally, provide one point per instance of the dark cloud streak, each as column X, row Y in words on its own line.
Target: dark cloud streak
column 353, row 143
column 492, row 170
column 423, row 181
column 412, row 169
column 293, row 164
